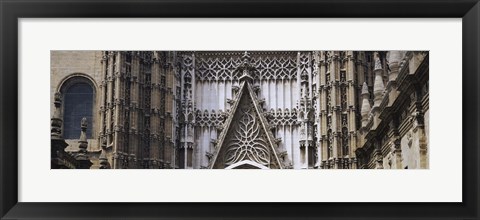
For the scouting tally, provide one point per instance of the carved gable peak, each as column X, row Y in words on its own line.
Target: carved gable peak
column 246, row 136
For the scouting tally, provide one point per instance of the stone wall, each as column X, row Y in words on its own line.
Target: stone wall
column 65, row 65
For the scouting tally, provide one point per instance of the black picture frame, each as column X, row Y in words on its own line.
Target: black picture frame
column 12, row 10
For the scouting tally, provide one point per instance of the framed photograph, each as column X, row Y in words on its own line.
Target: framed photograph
column 227, row 109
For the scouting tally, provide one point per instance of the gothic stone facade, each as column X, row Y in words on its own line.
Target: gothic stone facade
column 254, row 109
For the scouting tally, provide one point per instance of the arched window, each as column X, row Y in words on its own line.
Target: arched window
column 78, row 99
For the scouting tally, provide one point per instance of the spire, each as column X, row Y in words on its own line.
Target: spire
column 378, row 86
column 365, row 104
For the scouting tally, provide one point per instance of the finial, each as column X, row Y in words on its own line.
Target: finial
column 84, row 123
column 83, row 136
column 246, row 67
column 378, row 86
column 365, row 88
column 82, row 155
column 365, row 109
column 378, row 63
column 246, row 57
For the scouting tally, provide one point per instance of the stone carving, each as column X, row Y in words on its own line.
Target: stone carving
column 206, row 119
column 329, row 143
column 378, row 63
column 409, row 139
column 247, row 135
column 246, row 69
column 247, row 142
column 275, row 67
column 84, row 123
column 184, row 109
column 283, row 117
column 82, row 155
column 56, row 121
column 283, row 67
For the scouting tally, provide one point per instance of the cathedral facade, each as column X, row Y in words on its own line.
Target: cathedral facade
column 240, row 109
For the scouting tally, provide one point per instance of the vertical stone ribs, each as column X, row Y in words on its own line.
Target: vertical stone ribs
column 324, row 108
column 306, row 110
column 187, row 119
column 134, row 113
column 338, row 117
column 127, row 68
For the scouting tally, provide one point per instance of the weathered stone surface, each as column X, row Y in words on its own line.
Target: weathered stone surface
column 323, row 109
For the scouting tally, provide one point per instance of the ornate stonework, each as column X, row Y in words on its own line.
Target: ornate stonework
column 249, row 109
column 245, row 137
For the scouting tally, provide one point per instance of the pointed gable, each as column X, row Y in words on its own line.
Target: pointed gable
column 246, row 135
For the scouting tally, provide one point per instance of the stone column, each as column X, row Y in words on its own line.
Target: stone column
column 103, row 98
column 117, row 108
column 335, row 147
column 322, row 95
column 336, row 109
column 317, row 136
column 145, row 71
column 347, row 105
column 156, row 127
column 419, row 128
column 395, row 149
column 306, row 116
column 169, row 109
column 187, row 138
column 135, row 125
column 109, row 101
column 352, row 103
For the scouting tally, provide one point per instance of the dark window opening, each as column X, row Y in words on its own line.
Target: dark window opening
column 181, row 158
column 78, row 104
column 311, row 157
